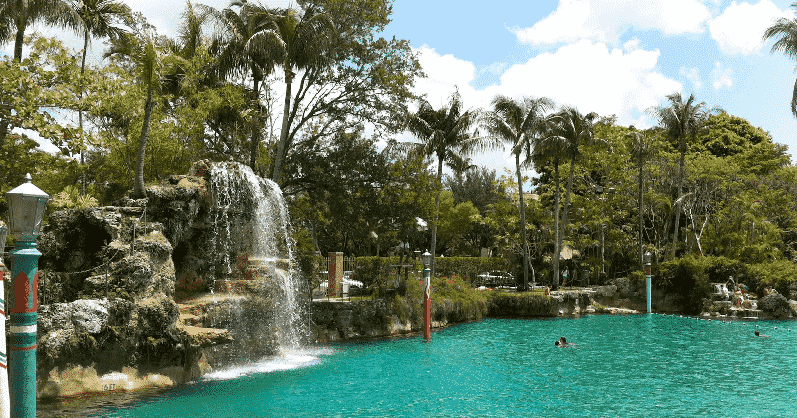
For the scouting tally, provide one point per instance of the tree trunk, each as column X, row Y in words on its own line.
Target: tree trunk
column 567, row 196
column 80, row 115
column 138, row 189
column 640, row 202
column 557, row 237
column 522, row 224
column 436, row 210
column 20, row 36
column 254, row 145
column 285, row 126
column 677, row 206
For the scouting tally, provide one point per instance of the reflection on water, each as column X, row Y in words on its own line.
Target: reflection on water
column 641, row 365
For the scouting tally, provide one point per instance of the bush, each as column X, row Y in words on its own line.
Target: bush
column 779, row 274
column 687, row 279
column 468, row 268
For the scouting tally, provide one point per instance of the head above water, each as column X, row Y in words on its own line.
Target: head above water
column 563, row 340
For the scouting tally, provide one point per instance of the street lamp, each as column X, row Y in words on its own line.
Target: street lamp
column 427, row 301
column 26, row 205
column 647, row 279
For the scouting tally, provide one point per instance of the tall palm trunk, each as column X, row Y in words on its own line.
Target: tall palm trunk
column 567, row 195
column 142, row 146
column 285, row 126
column 436, row 210
column 640, row 202
column 557, row 236
column 677, row 206
column 80, row 115
column 254, row 145
column 523, row 236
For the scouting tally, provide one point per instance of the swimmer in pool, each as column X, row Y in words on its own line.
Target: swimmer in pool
column 758, row 334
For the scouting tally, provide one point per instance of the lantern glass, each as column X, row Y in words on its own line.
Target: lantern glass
column 427, row 259
column 26, row 206
column 647, row 257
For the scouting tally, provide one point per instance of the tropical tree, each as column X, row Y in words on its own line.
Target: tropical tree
column 248, row 45
column 444, row 134
column 784, row 31
column 17, row 15
column 97, row 18
column 641, row 150
column 519, row 124
column 147, row 61
column 681, row 122
column 303, row 40
column 575, row 130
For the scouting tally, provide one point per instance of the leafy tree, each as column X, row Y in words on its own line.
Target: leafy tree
column 148, row 64
column 576, row 132
column 17, row 15
column 784, row 31
column 248, row 45
column 641, row 148
column 456, row 222
column 519, row 123
column 358, row 77
column 681, row 122
column 97, row 18
column 445, row 134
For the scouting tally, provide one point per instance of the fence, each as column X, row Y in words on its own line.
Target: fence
column 321, row 291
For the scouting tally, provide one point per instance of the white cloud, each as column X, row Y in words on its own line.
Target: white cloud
column 739, row 28
column 693, row 76
column 606, row 20
column 614, row 82
column 721, row 76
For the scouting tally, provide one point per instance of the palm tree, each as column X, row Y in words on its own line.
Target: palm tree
column 444, row 134
column 147, row 61
column 552, row 148
column 519, row 124
column 681, row 121
column 97, row 18
column 248, row 45
column 641, row 151
column 304, row 39
column 575, row 130
column 785, row 32
column 17, row 15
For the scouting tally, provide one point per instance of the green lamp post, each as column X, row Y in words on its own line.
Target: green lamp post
column 427, row 297
column 26, row 205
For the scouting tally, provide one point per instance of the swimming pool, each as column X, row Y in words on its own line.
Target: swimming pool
column 637, row 365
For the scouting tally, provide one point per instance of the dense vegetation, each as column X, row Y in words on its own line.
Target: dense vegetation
column 245, row 84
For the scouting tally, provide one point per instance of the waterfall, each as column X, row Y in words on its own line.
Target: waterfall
column 257, row 284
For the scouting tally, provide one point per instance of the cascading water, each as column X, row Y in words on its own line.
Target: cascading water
column 254, row 267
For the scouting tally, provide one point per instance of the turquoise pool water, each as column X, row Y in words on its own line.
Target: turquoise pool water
column 640, row 365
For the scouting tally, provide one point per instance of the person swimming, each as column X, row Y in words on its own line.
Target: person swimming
column 562, row 342
column 758, row 334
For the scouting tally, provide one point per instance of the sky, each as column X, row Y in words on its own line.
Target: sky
column 613, row 57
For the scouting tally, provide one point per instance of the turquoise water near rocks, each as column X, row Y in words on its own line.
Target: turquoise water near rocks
column 638, row 365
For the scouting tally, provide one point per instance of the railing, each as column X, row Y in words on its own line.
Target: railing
column 349, row 264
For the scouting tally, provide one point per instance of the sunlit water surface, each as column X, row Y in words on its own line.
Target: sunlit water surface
column 641, row 365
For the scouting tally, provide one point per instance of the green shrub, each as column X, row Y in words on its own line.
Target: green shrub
column 468, row 268
column 686, row 278
column 779, row 274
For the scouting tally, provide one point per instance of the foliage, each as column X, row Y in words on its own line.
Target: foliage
column 686, row 277
column 780, row 275
column 70, row 198
column 468, row 268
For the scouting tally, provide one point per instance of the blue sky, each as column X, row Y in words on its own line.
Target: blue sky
column 617, row 57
